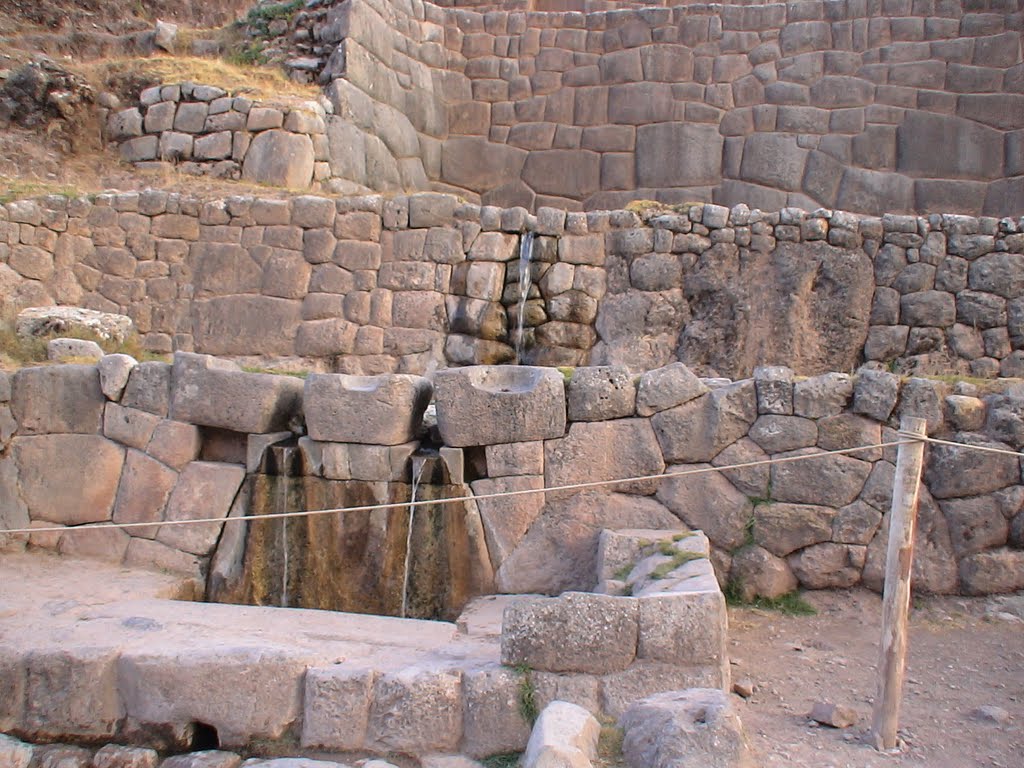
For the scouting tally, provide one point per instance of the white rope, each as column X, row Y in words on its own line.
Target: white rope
column 986, row 448
column 480, row 497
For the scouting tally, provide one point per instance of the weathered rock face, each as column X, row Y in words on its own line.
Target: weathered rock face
column 356, row 562
column 559, row 550
column 805, row 305
column 684, row 729
column 382, row 410
column 217, row 393
column 487, row 405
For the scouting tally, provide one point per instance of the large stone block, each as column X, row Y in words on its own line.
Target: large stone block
column 558, row 552
column 68, row 479
column 487, row 405
column 416, row 710
column 697, row 430
column 773, row 160
column 571, row 173
column 216, row 393
column 129, row 426
column 709, row 502
column 576, row 632
column 71, row 693
column 644, row 678
column 149, row 388
column 565, row 734
column 598, row 451
column 697, row 728
column 507, row 519
column 259, row 690
column 204, row 490
column 57, row 398
column 246, row 325
column 379, row 410
column 833, row 480
column 785, row 528
column 476, row 164
column 980, row 153
column 143, row 492
column 995, row 572
column 685, row 628
column 598, row 393
column 337, row 707
column 281, row 159
column 667, row 387
column 678, row 155
column 492, row 719
column 956, row 471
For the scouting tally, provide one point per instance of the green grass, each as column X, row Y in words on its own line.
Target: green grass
column 623, row 573
column 21, row 351
column 609, row 745
column 259, row 17
column 275, row 371
column 790, row 604
column 678, row 559
column 504, row 760
column 527, row 695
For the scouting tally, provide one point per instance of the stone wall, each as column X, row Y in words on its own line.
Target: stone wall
column 152, row 442
column 864, row 105
column 414, row 283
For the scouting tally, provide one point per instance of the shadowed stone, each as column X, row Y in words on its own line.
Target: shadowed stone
column 59, row 398
column 204, row 490
column 697, row 430
column 217, row 393
column 684, row 729
column 710, row 503
column 69, row 479
column 379, row 410
column 584, row 454
column 756, row 572
column 486, row 405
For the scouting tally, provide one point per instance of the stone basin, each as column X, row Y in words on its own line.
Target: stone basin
column 492, row 404
column 375, row 410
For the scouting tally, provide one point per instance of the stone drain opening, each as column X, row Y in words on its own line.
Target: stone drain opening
column 204, row 737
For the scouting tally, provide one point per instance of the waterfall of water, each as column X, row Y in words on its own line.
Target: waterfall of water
column 418, row 465
column 283, row 487
column 525, row 257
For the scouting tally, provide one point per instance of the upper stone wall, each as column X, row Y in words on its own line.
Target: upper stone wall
column 865, row 106
column 411, row 283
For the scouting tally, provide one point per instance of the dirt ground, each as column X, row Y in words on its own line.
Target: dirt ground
column 964, row 654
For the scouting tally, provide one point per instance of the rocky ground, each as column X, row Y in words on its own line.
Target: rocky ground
column 965, row 654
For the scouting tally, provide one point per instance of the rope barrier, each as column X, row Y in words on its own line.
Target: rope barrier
column 905, row 437
column 985, row 448
column 460, row 499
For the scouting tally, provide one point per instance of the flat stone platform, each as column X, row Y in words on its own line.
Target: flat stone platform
column 93, row 652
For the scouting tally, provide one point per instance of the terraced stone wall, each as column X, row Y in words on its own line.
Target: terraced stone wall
column 415, row 283
column 870, row 106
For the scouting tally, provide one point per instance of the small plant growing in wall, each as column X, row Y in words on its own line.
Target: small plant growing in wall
column 527, row 694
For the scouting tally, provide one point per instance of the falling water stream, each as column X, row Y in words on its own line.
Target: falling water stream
column 283, row 487
column 418, row 464
column 525, row 257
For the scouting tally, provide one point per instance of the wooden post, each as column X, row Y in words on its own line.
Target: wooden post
column 896, row 600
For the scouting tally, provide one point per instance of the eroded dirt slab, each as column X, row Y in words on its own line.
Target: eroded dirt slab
column 962, row 658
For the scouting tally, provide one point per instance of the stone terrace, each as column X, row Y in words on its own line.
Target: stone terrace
column 898, row 106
